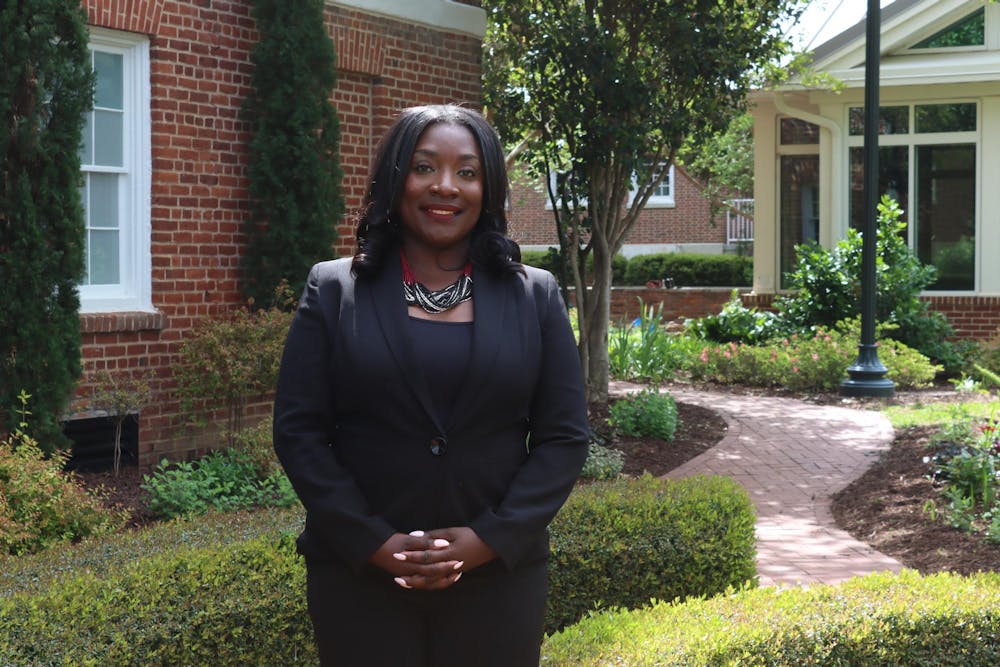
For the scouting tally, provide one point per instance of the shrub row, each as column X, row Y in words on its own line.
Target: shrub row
column 683, row 269
column 622, row 542
column 615, row 544
column 881, row 619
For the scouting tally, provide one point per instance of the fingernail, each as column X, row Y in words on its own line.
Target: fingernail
column 458, row 565
column 399, row 556
column 402, row 582
column 417, row 533
column 457, row 577
column 441, row 543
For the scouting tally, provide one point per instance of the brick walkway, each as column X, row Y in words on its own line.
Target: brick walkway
column 792, row 457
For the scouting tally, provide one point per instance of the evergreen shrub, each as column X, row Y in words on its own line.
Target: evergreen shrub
column 46, row 88
column 647, row 413
column 623, row 542
column 877, row 620
column 294, row 171
column 691, row 270
column 551, row 260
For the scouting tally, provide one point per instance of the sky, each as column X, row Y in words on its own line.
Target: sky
column 824, row 19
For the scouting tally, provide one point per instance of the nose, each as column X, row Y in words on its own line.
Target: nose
column 445, row 186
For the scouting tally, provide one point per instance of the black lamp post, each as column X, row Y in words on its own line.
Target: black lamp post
column 866, row 376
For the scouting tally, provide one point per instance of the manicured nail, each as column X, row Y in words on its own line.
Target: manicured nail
column 441, row 543
column 399, row 556
column 458, row 565
column 457, row 577
column 417, row 533
column 402, row 582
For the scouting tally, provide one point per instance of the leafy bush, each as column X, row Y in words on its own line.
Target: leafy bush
column 602, row 462
column 736, row 323
column 691, row 270
column 814, row 362
column 257, row 445
column 552, row 261
column 230, row 360
column 40, row 505
column 243, row 604
column 826, row 288
column 647, row 413
column 880, row 619
column 623, row 542
column 223, row 480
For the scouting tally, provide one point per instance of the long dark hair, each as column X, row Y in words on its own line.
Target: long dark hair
column 379, row 224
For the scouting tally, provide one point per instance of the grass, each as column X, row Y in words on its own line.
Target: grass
column 939, row 414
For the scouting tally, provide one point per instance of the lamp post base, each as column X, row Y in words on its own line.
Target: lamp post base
column 866, row 377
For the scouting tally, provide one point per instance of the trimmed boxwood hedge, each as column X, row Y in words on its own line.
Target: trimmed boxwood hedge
column 878, row 620
column 691, row 270
column 623, row 542
column 550, row 261
column 244, row 603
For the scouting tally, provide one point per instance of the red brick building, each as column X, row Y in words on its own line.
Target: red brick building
column 677, row 219
column 166, row 168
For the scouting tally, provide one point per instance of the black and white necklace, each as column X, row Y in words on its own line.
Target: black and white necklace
column 435, row 301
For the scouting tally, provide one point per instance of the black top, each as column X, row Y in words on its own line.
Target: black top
column 443, row 351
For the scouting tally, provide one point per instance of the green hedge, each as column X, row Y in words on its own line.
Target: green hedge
column 614, row 544
column 878, row 620
column 238, row 605
column 691, row 270
column 623, row 542
column 551, row 260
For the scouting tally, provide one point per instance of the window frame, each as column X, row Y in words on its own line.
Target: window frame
column 133, row 292
column 912, row 140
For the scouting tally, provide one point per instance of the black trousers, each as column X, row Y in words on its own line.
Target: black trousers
column 491, row 617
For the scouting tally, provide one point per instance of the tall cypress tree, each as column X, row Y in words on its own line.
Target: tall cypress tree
column 294, row 169
column 46, row 87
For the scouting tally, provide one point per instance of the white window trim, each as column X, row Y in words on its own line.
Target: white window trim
column 134, row 293
column 651, row 203
column 913, row 139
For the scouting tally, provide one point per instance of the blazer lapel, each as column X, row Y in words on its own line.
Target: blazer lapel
column 489, row 299
column 390, row 310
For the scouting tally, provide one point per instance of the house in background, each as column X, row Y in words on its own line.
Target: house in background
column 939, row 153
column 165, row 164
column 676, row 219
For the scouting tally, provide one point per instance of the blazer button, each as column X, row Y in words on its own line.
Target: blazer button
column 438, row 446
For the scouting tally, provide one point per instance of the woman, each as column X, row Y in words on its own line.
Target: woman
column 430, row 414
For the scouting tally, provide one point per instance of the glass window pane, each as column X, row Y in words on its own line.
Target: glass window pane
column 799, row 207
column 892, row 120
column 798, row 132
column 103, row 257
column 110, row 90
column 104, row 201
column 108, row 138
column 945, row 117
column 946, row 213
column 87, row 147
column 969, row 31
column 893, row 180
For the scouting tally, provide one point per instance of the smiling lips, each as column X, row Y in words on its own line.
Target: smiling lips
column 440, row 212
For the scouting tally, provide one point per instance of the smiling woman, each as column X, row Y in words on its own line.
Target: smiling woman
column 430, row 414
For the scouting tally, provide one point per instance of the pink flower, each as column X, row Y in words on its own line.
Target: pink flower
column 815, row 356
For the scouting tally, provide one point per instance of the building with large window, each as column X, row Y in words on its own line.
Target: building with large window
column 165, row 164
column 939, row 152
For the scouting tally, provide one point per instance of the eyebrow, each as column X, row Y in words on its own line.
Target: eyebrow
column 464, row 156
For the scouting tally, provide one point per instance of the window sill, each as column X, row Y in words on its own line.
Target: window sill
column 124, row 322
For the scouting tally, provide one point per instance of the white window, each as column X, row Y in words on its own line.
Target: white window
column 662, row 197
column 115, row 160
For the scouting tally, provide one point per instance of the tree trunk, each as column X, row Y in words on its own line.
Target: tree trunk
column 599, row 321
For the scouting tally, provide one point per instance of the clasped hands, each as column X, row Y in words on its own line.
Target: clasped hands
column 434, row 559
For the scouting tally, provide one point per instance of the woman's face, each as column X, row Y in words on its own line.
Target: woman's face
column 443, row 193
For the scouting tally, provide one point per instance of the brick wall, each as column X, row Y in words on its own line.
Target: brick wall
column 689, row 221
column 200, row 72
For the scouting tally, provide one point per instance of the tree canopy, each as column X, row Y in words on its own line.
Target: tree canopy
column 601, row 94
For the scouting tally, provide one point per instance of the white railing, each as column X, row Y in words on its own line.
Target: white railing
column 739, row 221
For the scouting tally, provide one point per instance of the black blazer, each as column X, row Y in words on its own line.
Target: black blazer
column 355, row 430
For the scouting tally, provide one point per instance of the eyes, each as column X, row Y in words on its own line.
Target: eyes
column 467, row 172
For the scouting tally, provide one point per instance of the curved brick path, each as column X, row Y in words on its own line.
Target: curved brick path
column 792, row 457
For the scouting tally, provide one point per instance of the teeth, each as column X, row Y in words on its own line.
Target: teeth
column 438, row 211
